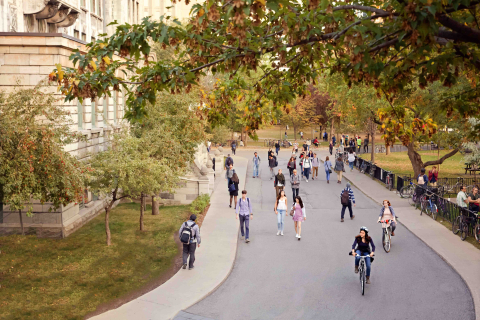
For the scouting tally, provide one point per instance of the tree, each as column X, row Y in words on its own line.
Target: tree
column 33, row 164
column 128, row 169
column 473, row 156
column 387, row 44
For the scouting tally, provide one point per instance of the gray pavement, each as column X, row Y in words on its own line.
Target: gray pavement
column 277, row 277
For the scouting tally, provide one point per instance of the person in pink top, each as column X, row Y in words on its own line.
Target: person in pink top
column 299, row 216
column 387, row 213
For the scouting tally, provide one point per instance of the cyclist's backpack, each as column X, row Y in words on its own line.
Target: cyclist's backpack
column 187, row 233
column 421, row 180
column 345, row 197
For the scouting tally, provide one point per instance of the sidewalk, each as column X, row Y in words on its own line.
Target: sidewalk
column 214, row 262
column 462, row 256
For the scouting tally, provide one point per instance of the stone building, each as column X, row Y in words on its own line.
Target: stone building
column 158, row 8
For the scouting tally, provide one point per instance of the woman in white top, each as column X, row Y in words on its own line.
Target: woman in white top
column 387, row 213
column 351, row 159
column 281, row 211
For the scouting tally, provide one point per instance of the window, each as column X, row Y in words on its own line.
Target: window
column 76, row 34
column 99, row 9
column 94, row 114
column 82, row 3
column 92, row 6
column 94, row 39
column 105, row 110
column 79, row 115
column 84, row 37
column 138, row 21
column 115, row 99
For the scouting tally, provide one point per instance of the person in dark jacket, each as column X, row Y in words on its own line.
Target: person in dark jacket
column 339, row 168
column 279, row 183
column 233, row 188
column 361, row 247
column 292, row 165
column 234, row 147
column 277, row 146
column 189, row 248
column 271, row 164
column 348, row 204
column 228, row 162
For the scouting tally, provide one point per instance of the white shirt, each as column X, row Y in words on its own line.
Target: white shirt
column 351, row 157
column 281, row 204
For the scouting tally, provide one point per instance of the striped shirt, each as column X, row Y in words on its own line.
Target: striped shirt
column 351, row 197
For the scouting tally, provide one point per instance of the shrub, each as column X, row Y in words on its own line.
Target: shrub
column 199, row 204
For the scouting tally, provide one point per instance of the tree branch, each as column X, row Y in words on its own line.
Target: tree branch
column 361, row 8
column 471, row 34
column 440, row 161
column 358, row 22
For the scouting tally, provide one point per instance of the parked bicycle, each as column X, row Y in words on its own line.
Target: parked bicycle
column 380, row 149
column 461, row 224
column 362, row 270
column 373, row 168
column 389, row 180
column 428, row 205
column 364, row 166
column 408, row 190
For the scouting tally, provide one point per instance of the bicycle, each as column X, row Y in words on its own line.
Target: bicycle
column 362, row 270
column 364, row 166
column 477, row 228
column 460, row 224
column 428, row 205
column 408, row 190
column 380, row 149
column 389, row 180
column 373, row 168
column 387, row 235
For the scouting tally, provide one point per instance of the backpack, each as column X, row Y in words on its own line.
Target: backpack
column 345, row 197
column 187, row 233
column 421, row 180
column 276, row 161
column 229, row 161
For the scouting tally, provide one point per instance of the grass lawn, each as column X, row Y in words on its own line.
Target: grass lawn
column 68, row 278
column 399, row 163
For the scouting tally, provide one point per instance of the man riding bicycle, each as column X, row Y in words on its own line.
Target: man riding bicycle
column 361, row 247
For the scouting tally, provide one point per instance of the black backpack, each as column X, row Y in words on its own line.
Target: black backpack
column 276, row 161
column 345, row 197
column 187, row 233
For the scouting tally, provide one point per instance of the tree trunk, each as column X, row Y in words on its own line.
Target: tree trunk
column 312, row 132
column 331, row 130
column 155, row 205
column 294, row 133
column 372, row 154
column 21, row 222
column 142, row 210
column 415, row 159
column 387, row 150
column 107, row 227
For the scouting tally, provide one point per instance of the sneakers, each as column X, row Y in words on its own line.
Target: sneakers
column 353, row 216
column 281, row 233
column 328, row 181
column 296, row 236
column 242, row 238
column 253, row 177
column 306, row 180
column 184, row 266
column 356, row 269
column 190, row 268
column 247, row 241
column 393, row 233
column 278, row 233
column 341, row 220
column 368, row 280
column 299, row 237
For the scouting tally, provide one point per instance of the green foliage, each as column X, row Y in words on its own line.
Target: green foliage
column 385, row 44
column 200, row 204
column 34, row 131
column 219, row 134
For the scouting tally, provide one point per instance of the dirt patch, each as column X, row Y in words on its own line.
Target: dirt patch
column 175, row 267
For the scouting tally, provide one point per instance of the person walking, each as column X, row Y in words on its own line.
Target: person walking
column 271, row 165
column 330, row 146
column 228, row 162
column 305, row 146
column 209, row 145
column 351, row 159
column 295, row 181
column 309, row 143
column 245, row 211
column 326, row 136
column 299, row 216
column 307, row 166
column 279, row 183
column 346, row 199
column 189, row 234
column 301, row 134
column 359, row 143
column 295, row 146
column 365, row 145
column 334, row 141
column 277, row 146
column 233, row 188
column 328, row 168
column 315, row 165
column 361, row 247
column 300, row 162
column 281, row 210
column 339, row 169
column 286, row 136
column 234, row 147
column 291, row 165
column 256, row 164
column 270, row 153
column 387, row 213
column 310, row 154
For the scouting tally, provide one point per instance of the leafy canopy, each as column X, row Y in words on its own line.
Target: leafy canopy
column 384, row 43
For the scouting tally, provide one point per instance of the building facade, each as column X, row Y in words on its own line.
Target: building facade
column 158, row 8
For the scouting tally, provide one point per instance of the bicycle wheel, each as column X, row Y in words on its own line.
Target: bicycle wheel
column 362, row 281
column 456, row 225
column 433, row 211
column 422, row 206
column 477, row 232
column 463, row 231
column 386, row 239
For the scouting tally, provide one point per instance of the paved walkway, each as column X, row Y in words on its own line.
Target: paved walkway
column 462, row 256
column 277, row 277
column 214, row 261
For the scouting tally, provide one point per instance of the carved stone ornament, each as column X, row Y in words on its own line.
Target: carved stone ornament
column 69, row 21
column 13, row 27
column 49, row 11
column 59, row 16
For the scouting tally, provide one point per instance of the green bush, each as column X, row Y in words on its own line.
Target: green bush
column 199, row 204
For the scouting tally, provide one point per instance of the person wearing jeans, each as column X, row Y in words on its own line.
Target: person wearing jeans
column 281, row 210
column 271, row 164
column 351, row 198
column 295, row 184
column 361, row 247
column 328, row 166
column 307, row 166
column 245, row 212
column 351, row 159
column 189, row 248
column 256, row 164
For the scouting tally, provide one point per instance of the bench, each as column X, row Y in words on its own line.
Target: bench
column 471, row 168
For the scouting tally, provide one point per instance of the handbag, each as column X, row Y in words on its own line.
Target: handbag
column 231, row 187
column 292, row 211
column 330, row 170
